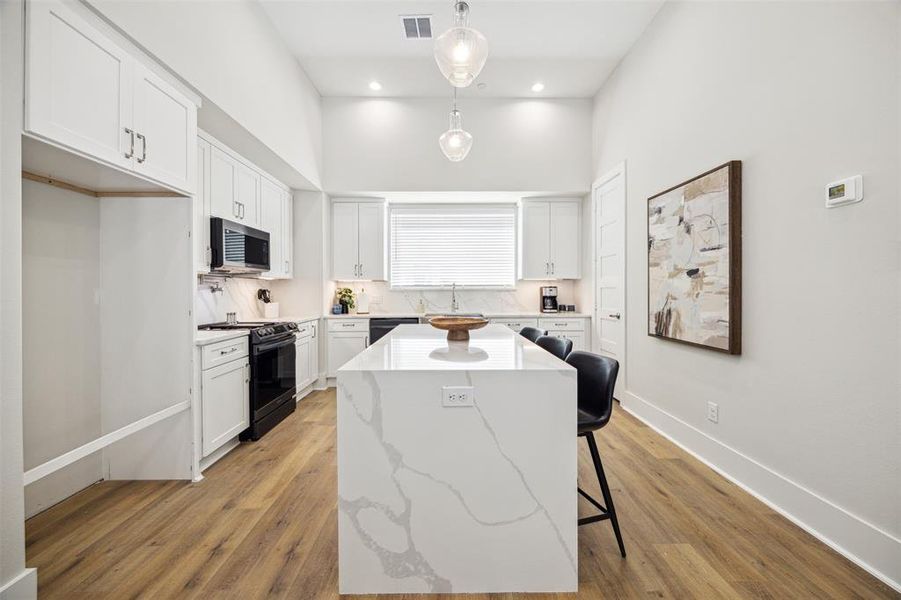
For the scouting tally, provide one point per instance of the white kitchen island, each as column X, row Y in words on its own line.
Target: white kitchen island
column 456, row 498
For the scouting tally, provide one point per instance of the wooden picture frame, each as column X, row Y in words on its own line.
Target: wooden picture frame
column 694, row 261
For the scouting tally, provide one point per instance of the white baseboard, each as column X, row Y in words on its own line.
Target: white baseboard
column 208, row 461
column 22, row 587
column 874, row 550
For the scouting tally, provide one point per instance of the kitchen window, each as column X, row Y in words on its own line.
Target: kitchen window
column 435, row 246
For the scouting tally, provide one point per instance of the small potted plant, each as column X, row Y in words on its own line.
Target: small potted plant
column 345, row 299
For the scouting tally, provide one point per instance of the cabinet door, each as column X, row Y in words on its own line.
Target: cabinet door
column 536, row 262
column 78, row 85
column 202, row 209
column 165, row 124
column 225, row 397
column 223, row 175
column 247, row 195
column 372, row 241
column 314, row 354
column 576, row 337
column 342, row 347
column 271, row 221
column 565, row 236
column 345, row 241
column 303, row 363
column 288, row 233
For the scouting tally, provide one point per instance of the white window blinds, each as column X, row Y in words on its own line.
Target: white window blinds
column 438, row 245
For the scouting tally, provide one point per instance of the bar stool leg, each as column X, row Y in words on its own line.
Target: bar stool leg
column 605, row 490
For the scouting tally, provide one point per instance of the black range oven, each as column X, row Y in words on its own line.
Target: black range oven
column 273, row 377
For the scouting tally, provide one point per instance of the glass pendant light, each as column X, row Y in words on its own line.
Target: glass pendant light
column 461, row 51
column 456, row 141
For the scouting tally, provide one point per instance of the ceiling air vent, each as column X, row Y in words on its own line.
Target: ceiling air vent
column 417, row 27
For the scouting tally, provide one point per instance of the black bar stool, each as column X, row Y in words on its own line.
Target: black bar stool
column 532, row 333
column 559, row 347
column 596, row 378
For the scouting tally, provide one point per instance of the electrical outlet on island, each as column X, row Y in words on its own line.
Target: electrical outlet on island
column 457, row 395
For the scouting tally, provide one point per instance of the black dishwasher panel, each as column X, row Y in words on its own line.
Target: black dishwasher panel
column 378, row 328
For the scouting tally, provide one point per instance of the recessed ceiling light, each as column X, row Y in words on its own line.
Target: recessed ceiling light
column 375, row 86
column 538, row 87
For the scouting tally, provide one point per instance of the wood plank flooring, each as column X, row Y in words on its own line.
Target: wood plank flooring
column 263, row 524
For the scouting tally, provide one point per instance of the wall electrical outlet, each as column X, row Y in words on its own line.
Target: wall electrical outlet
column 457, row 395
column 713, row 412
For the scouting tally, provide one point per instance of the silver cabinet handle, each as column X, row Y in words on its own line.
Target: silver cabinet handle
column 616, row 316
column 131, row 150
column 230, row 351
column 361, row 269
column 143, row 139
column 547, row 268
column 347, row 324
column 553, row 269
column 241, row 207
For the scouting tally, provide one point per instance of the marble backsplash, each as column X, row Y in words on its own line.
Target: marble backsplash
column 237, row 295
column 525, row 298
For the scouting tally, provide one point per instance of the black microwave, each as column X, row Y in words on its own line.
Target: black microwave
column 237, row 248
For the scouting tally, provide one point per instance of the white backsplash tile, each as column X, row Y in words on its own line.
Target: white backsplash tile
column 238, row 295
column 526, row 297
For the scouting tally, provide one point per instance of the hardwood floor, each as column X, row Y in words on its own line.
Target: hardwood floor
column 263, row 524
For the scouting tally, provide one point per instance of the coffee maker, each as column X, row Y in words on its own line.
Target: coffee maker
column 549, row 299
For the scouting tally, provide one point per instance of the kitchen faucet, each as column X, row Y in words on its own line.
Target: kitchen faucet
column 454, row 305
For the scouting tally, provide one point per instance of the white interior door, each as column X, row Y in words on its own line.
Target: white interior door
column 609, row 197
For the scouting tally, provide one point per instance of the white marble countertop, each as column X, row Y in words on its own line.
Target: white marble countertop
column 203, row 337
column 424, row 348
column 489, row 315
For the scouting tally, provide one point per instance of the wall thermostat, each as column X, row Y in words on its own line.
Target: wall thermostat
column 846, row 191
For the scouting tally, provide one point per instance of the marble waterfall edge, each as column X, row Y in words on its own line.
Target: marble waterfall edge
column 478, row 498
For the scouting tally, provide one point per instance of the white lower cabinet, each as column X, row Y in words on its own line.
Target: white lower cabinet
column 574, row 329
column 307, row 355
column 225, row 402
column 516, row 324
column 346, row 339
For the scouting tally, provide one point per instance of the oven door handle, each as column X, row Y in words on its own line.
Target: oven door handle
column 286, row 341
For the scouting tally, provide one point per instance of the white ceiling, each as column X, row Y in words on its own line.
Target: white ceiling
column 571, row 46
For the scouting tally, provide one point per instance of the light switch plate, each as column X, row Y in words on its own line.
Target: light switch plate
column 457, row 395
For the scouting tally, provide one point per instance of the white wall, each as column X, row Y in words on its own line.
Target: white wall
column 61, row 353
column 809, row 413
column 232, row 54
column 391, row 144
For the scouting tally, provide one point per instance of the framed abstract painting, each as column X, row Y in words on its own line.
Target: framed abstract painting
column 694, row 261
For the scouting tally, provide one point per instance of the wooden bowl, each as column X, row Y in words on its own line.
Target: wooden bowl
column 457, row 327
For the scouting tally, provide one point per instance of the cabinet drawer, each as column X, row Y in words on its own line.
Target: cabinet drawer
column 516, row 324
column 223, row 352
column 305, row 330
column 562, row 324
column 348, row 325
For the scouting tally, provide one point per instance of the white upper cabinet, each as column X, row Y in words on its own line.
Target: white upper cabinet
column 565, row 239
column 202, row 209
column 223, row 173
column 275, row 218
column 240, row 192
column 165, row 124
column 372, row 241
column 247, row 195
column 550, row 240
column 86, row 93
column 536, row 240
column 358, row 240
